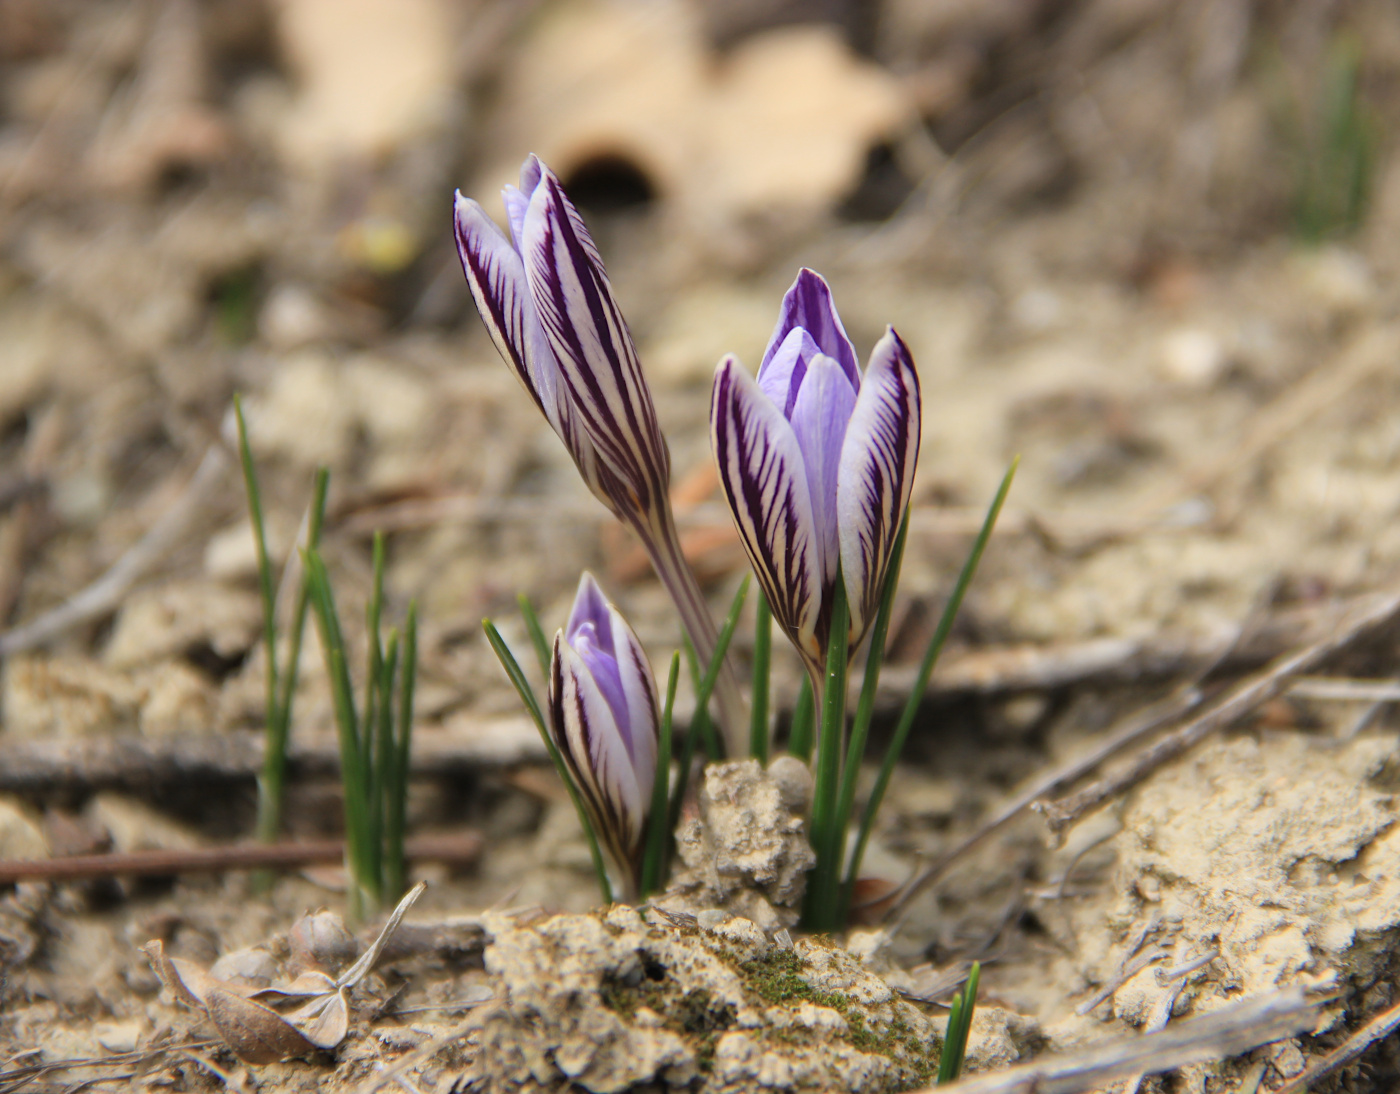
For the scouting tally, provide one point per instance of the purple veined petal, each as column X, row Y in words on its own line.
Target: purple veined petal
column 590, row 606
column 639, row 687
column 518, row 200
column 765, row 483
column 582, row 725
column 593, row 347
column 807, row 304
column 782, row 374
column 877, row 473
column 496, row 276
column 819, row 419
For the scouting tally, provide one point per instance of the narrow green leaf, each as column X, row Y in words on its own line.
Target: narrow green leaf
column 959, row 1026
column 537, row 637
column 266, row 586
column 385, row 756
column 396, row 875
column 916, row 694
column 865, row 707
column 762, row 656
column 371, row 729
column 527, row 696
column 654, row 860
column 948, row 1060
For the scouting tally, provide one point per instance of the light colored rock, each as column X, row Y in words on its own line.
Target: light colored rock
column 371, row 75
column 747, row 851
column 1192, row 356
column 1290, row 867
column 614, row 1000
column 20, row 835
column 67, row 696
column 304, row 414
column 135, row 826
column 178, row 700
column 168, row 620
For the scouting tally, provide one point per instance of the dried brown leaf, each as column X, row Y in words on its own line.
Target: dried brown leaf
column 256, row 1034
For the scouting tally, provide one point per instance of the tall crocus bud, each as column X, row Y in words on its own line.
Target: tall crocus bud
column 546, row 300
column 817, row 463
column 603, row 716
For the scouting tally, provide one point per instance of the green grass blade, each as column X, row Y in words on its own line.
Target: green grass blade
column 819, row 912
column 266, row 585
column 537, row 638
column 395, row 828
column 916, row 694
column 803, row 722
column 702, row 726
column 703, row 688
column 372, row 729
column 959, row 1026
column 385, row 755
column 762, row 657
column 352, row 761
column 654, row 857
column 527, row 696
column 865, row 705
column 279, row 729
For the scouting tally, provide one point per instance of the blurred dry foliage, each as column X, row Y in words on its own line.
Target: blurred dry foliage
column 1150, row 245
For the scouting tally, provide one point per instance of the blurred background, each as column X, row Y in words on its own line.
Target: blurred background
column 1149, row 245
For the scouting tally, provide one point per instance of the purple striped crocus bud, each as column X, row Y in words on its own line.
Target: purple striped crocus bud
column 546, row 301
column 817, row 463
column 603, row 715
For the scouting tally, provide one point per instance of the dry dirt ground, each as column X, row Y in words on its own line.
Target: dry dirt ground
column 1150, row 247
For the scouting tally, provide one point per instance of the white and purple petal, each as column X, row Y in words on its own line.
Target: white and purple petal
column 782, row 374
column 808, row 305
column 876, row 474
column 819, row 418
column 762, row 474
column 593, row 347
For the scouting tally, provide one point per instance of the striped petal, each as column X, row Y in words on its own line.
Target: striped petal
column 876, row 474
column 496, row 276
column 765, row 483
column 581, row 722
column 593, row 347
column 807, row 305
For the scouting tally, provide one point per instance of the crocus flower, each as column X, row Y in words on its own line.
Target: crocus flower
column 817, row 463
column 546, row 301
column 603, row 717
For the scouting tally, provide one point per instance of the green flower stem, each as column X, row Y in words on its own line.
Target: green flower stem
column 865, row 706
column 654, row 858
column 702, row 698
column 527, row 696
column 916, row 694
column 803, row 722
column 820, row 912
column 758, row 705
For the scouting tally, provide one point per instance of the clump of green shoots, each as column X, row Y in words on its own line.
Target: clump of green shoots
column 959, row 1025
column 281, row 678
column 374, row 738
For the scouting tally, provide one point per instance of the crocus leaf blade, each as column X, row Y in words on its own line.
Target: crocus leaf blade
column 877, row 473
column 764, row 481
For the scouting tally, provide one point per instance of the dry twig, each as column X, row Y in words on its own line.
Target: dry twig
column 1229, row 1031
column 41, row 763
column 106, row 593
column 1373, row 1032
column 1269, row 684
column 458, row 850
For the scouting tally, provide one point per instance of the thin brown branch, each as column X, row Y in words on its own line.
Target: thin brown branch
column 1228, row 1031
column 1248, row 696
column 1134, row 729
column 1374, row 1031
column 42, row 763
column 106, row 593
column 461, row 849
